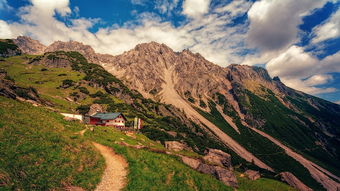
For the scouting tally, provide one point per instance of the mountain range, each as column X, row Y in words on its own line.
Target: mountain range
column 242, row 109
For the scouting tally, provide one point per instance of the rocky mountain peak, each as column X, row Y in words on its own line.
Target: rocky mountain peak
column 153, row 47
column 244, row 72
column 29, row 46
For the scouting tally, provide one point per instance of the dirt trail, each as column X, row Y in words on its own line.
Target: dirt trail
column 170, row 96
column 114, row 177
column 318, row 173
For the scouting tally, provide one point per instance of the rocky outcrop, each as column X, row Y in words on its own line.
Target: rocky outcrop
column 29, row 46
column 83, row 49
column 252, row 174
column 215, row 164
column 226, row 176
column 96, row 108
column 294, row 182
column 218, row 157
column 8, row 48
column 52, row 60
column 9, row 89
column 193, row 163
column 175, row 146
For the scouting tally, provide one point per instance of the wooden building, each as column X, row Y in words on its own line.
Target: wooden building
column 108, row 119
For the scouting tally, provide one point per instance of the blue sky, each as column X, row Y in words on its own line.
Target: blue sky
column 299, row 41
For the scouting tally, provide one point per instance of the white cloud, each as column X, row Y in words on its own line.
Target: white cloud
column 235, row 8
column 330, row 29
column 166, row 6
column 195, row 8
column 300, row 70
column 274, row 23
column 337, row 102
column 318, row 79
column 302, row 86
column 294, row 62
column 5, row 30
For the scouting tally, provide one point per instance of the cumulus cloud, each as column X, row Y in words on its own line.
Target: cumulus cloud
column 195, row 8
column 330, row 29
column 5, row 30
column 299, row 84
column 292, row 63
column 318, row 79
column 273, row 23
column 300, row 70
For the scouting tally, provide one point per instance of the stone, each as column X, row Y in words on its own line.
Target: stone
column 252, row 174
column 294, row 182
column 193, row 163
column 226, row 176
column 96, row 108
column 206, row 169
column 175, row 146
column 218, row 157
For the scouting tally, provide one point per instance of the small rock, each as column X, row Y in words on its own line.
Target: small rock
column 252, row 174
column 206, row 169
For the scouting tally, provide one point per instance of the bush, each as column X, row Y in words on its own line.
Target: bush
column 67, row 83
column 83, row 109
column 44, row 69
column 84, row 90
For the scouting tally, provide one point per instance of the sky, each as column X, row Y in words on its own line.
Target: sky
column 297, row 40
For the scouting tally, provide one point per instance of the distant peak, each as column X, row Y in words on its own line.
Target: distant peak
column 152, row 46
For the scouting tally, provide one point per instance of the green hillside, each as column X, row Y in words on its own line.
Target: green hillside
column 40, row 151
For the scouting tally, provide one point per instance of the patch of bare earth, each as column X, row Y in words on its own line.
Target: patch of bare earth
column 114, row 178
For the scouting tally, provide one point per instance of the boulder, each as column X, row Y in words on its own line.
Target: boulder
column 218, row 157
column 226, row 176
column 221, row 173
column 96, row 108
column 252, row 174
column 207, row 169
column 175, row 145
column 294, row 182
column 193, row 163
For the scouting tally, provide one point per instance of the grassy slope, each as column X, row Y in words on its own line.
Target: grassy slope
column 39, row 150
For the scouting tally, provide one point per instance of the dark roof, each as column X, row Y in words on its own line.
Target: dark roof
column 108, row 116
